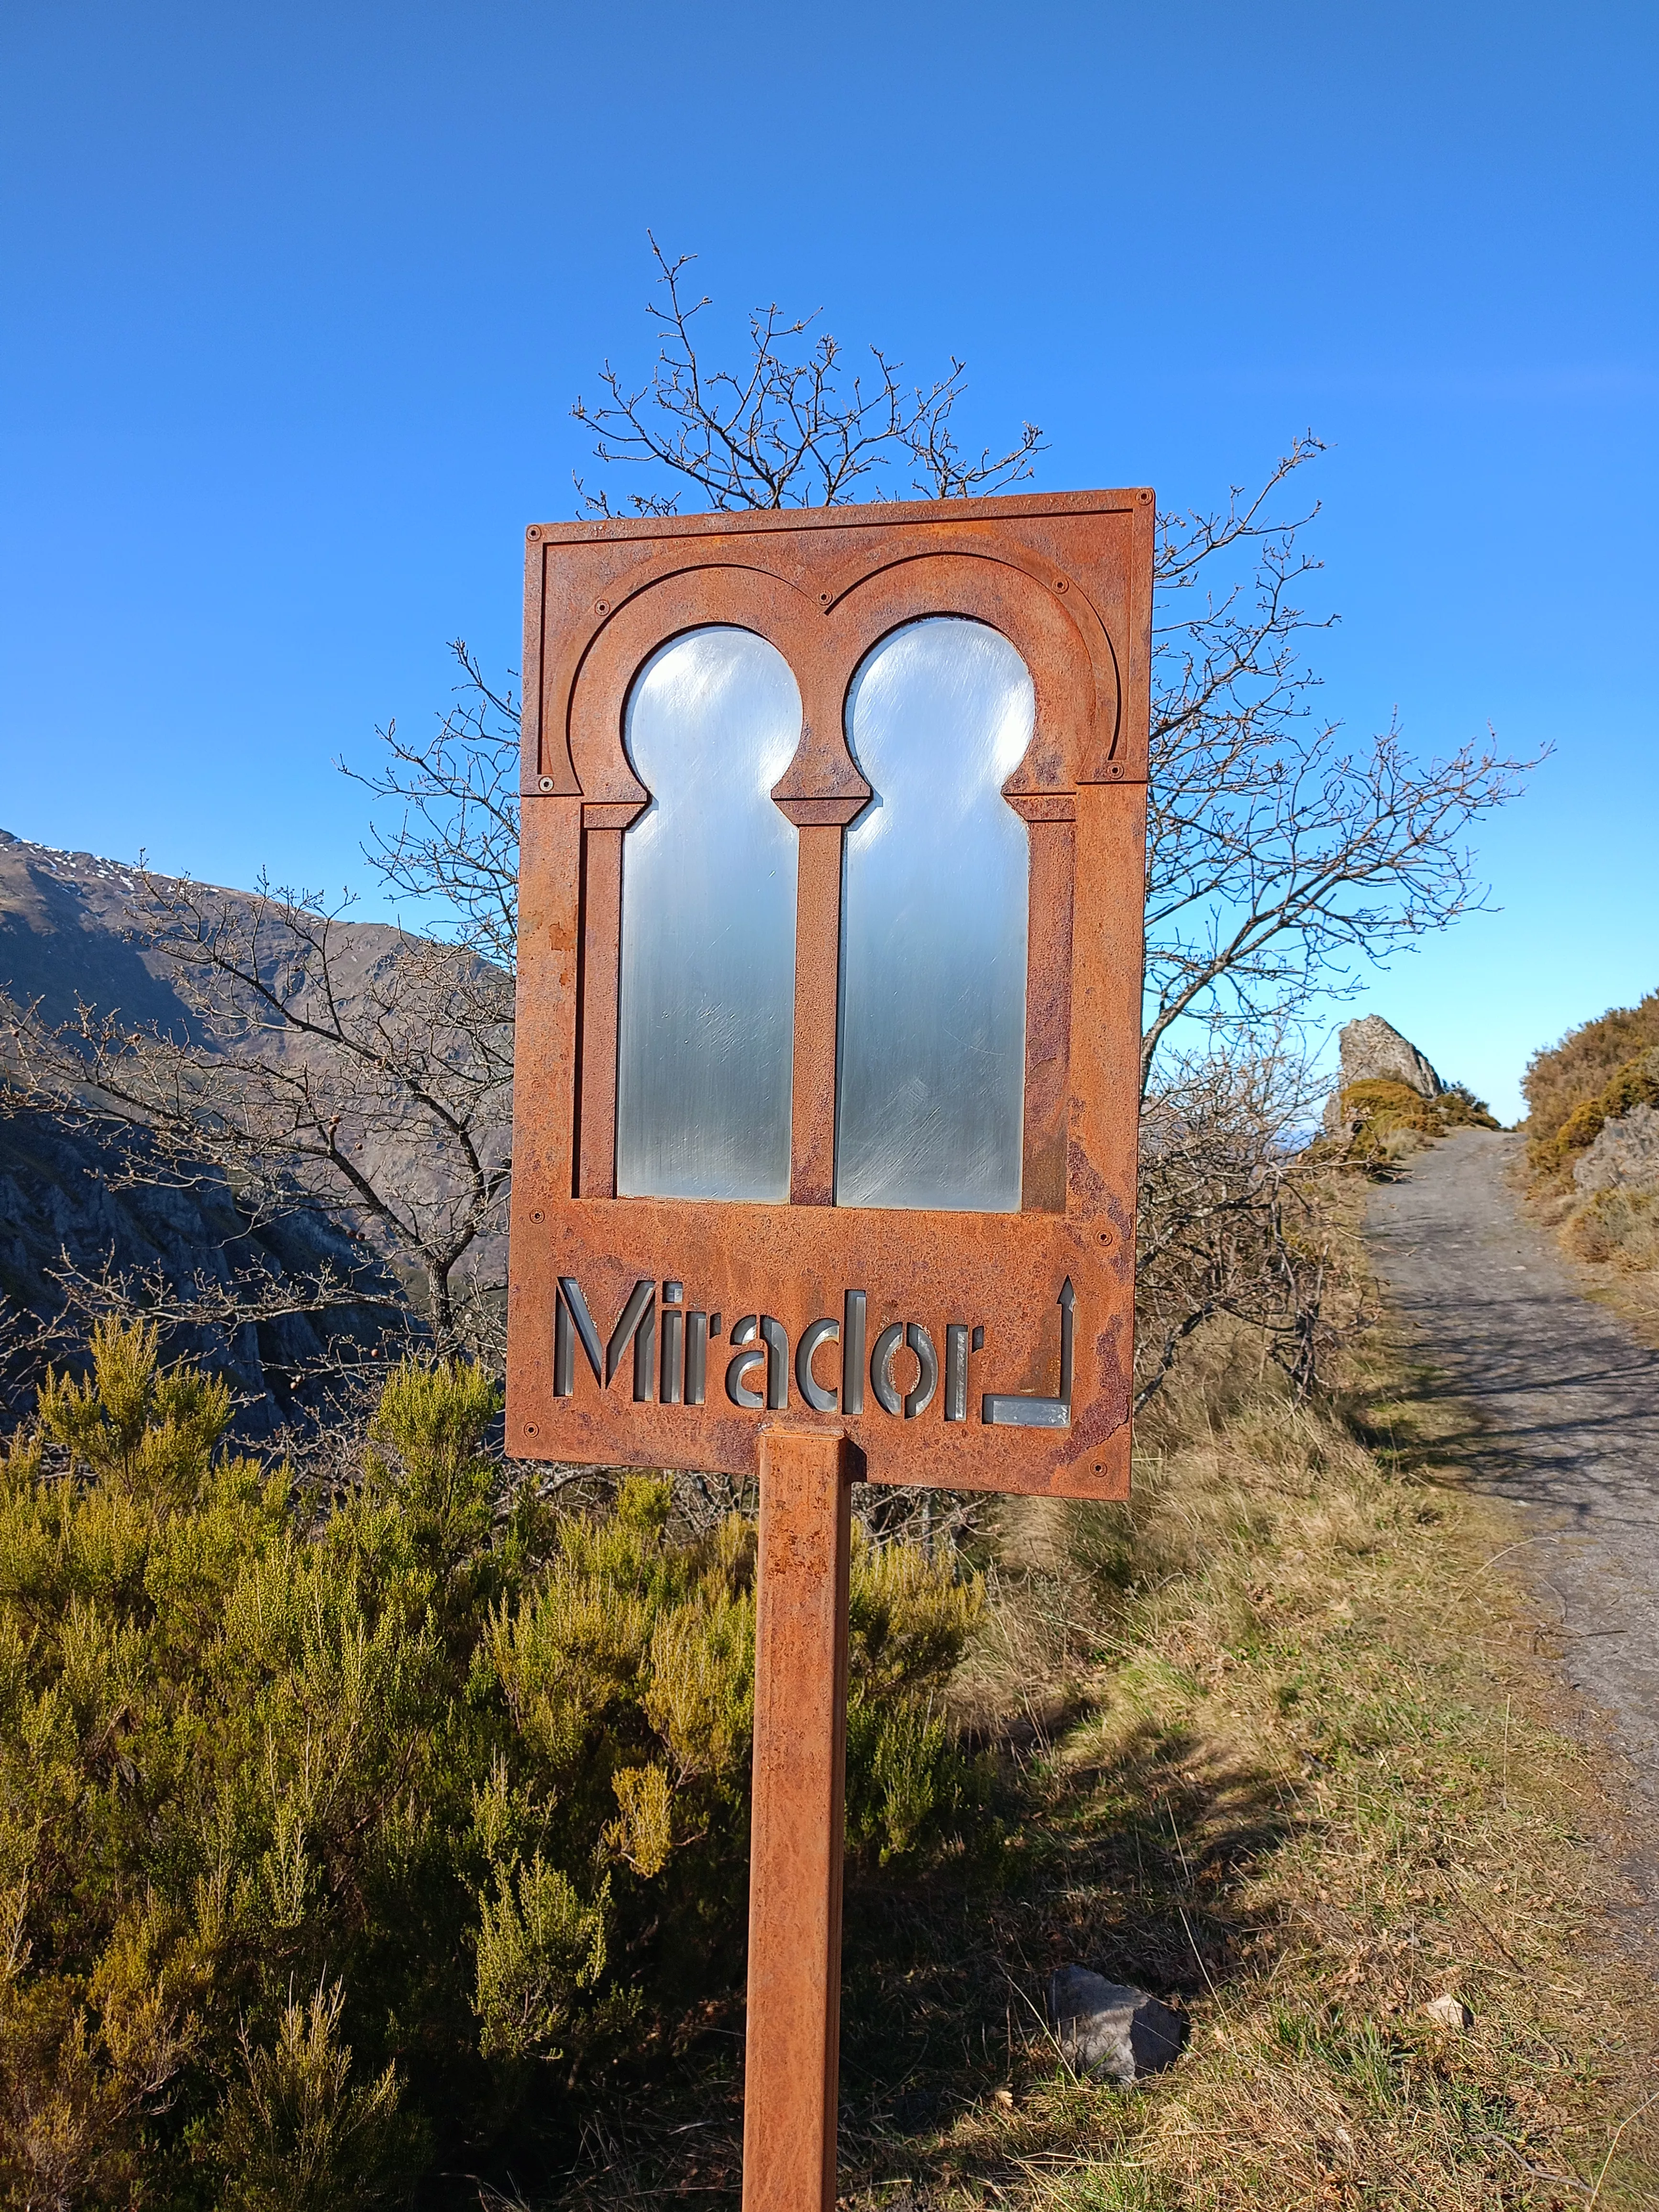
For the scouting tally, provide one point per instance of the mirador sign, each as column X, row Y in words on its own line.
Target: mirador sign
column 827, row 1073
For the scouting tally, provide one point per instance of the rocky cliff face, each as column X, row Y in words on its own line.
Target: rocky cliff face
column 65, row 1203
column 70, row 929
column 1624, row 1154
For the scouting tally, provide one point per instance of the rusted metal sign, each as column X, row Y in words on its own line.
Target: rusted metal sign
column 829, row 985
column 825, row 1109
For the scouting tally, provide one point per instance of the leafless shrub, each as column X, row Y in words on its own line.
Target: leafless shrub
column 324, row 1394
column 204, row 1300
column 1229, row 1220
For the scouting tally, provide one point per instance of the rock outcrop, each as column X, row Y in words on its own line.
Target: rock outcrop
column 1625, row 1155
column 1373, row 1051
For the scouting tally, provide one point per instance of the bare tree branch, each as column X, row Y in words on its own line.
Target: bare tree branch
column 795, row 427
column 453, row 844
column 1278, row 857
column 1229, row 1219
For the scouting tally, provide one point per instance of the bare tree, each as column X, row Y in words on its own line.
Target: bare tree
column 1282, row 857
column 1229, row 1216
column 1279, row 855
column 794, row 427
column 366, row 1073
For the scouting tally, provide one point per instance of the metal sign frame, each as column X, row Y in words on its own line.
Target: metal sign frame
column 972, row 1350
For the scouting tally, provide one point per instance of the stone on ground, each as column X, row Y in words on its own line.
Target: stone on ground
column 1110, row 2028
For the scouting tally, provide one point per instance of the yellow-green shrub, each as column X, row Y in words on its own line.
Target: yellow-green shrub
column 338, row 1836
column 1575, row 1072
column 1378, row 1110
column 1634, row 1084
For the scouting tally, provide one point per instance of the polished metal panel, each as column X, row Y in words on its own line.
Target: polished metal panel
column 673, row 1357
column 854, row 1320
column 931, row 1052
column 697, row 1357
column 744, row 1332
column 956, row 1371
column 917, row 1401
column 706, row 1002
column 881, row 1367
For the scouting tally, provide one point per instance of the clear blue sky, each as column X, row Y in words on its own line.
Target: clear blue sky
column 296, row 300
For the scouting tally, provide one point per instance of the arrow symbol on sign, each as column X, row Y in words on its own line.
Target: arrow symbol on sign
column 1008, row 1412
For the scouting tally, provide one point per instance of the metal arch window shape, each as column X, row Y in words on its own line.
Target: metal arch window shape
column 931, row 1075
column 706, row 997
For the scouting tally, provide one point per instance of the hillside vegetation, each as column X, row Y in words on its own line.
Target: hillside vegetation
column 1599, row 1086
column 351, row 1842
column 387, row 1844
column 1277, row 1742
column 1382, row 1121
column 1573, row 1087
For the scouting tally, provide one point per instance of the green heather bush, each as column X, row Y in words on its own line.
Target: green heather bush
column 1636, row 1083
column 1379, row 1111
column 346, row 1843
column 1576, row 1071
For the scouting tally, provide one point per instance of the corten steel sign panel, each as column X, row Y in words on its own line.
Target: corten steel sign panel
column 976, row 1336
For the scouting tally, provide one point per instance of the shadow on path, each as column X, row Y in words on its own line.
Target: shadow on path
column 1568, row 1403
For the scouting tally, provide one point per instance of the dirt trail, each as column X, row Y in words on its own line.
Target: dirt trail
column 1568, row 1403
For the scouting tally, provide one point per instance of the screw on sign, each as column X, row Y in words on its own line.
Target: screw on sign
column 828, row 1023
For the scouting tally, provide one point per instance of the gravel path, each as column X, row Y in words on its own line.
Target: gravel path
column 1567, row 1400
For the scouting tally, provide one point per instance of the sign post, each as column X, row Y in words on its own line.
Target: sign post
column 793, row 2044
column 827, row 1078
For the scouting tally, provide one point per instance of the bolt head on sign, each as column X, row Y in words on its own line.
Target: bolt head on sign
column 830, row 913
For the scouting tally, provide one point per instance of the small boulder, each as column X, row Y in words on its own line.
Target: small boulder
column 1450, row 2012
column 1111, row 2028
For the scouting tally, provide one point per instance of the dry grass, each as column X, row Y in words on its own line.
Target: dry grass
column 1320, row 1779
column 1281, row 1742
column 1634, row 1298
column 1620, row 1271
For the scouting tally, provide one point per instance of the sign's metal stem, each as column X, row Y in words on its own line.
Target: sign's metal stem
column 792, row 2067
